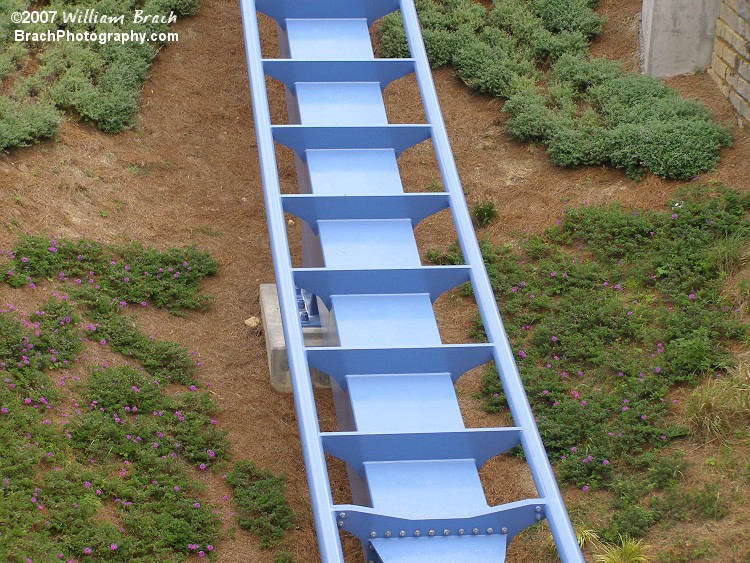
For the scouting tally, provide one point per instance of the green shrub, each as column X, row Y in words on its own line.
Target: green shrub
column 583, row 73
column 442, row 45
column 11, row 57
column 484, row 213
column 260, row 499
column 531, row 119
column 488, row 69
column 23, row 123
column 706, row 501
column 631, row 521
column 582, row 143
column 569, row 15
column 667, row 471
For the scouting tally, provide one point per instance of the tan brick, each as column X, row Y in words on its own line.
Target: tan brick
column 740, row 105
column 733, row 20
column 740, row 25
column 741, row 86
column 726, row 52
column 741, row 7
column 719, row 66
column 738, row 43
column 743, row 68
column 720, row 82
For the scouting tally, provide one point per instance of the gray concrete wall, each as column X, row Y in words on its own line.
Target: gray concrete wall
column 677, row 36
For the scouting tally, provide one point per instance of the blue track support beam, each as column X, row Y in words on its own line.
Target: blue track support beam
column 413, row 466
column 382, row 71
column 313, row 209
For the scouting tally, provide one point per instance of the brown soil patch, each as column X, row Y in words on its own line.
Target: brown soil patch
column 188, row 173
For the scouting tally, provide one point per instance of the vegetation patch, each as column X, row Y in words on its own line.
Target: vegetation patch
column 99, row 81
column 99, row 461
column 262, row 505
column 609, row 313
column 584, row 111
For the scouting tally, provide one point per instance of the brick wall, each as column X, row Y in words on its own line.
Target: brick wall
column 730, row 65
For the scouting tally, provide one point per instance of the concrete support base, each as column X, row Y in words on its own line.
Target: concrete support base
column 278, row 364
column 677, row 36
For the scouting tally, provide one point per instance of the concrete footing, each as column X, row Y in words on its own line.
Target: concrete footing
column 677, row 35
column 278, row 364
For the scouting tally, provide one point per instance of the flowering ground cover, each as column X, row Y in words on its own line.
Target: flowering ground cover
column 615, row 315
column 99, row 461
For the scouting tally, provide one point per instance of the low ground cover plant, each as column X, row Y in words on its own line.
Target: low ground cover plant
column 99, row 460
column 610, row 312
column 534, row 53
column 261, row 500
column 98, row 81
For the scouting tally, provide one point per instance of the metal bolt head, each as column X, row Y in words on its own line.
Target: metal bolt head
column 431, row 532
column 489, row 531
column 446, row 532
column 341, row 523
column 402, row 534
column 373, row 534
column 460, row 531
column 342, row 515
column 475, row 531
column 371, row 547
column 504, row 530
column 387, row 534
column 538, row 509
column 538, row 517
column 417, row 533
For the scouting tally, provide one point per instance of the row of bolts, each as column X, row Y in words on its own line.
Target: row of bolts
column 418, row 533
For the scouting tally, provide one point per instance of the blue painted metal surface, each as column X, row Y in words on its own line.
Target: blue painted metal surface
column 413, row 466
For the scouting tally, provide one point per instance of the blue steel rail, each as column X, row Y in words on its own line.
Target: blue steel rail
column 413, row 466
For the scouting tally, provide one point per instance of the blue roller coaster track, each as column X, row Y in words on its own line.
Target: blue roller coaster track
column 413, row 466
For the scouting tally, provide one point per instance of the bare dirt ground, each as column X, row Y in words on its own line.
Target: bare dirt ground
column 188, row 173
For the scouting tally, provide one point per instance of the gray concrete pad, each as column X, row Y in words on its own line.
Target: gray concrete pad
column 278, row 364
